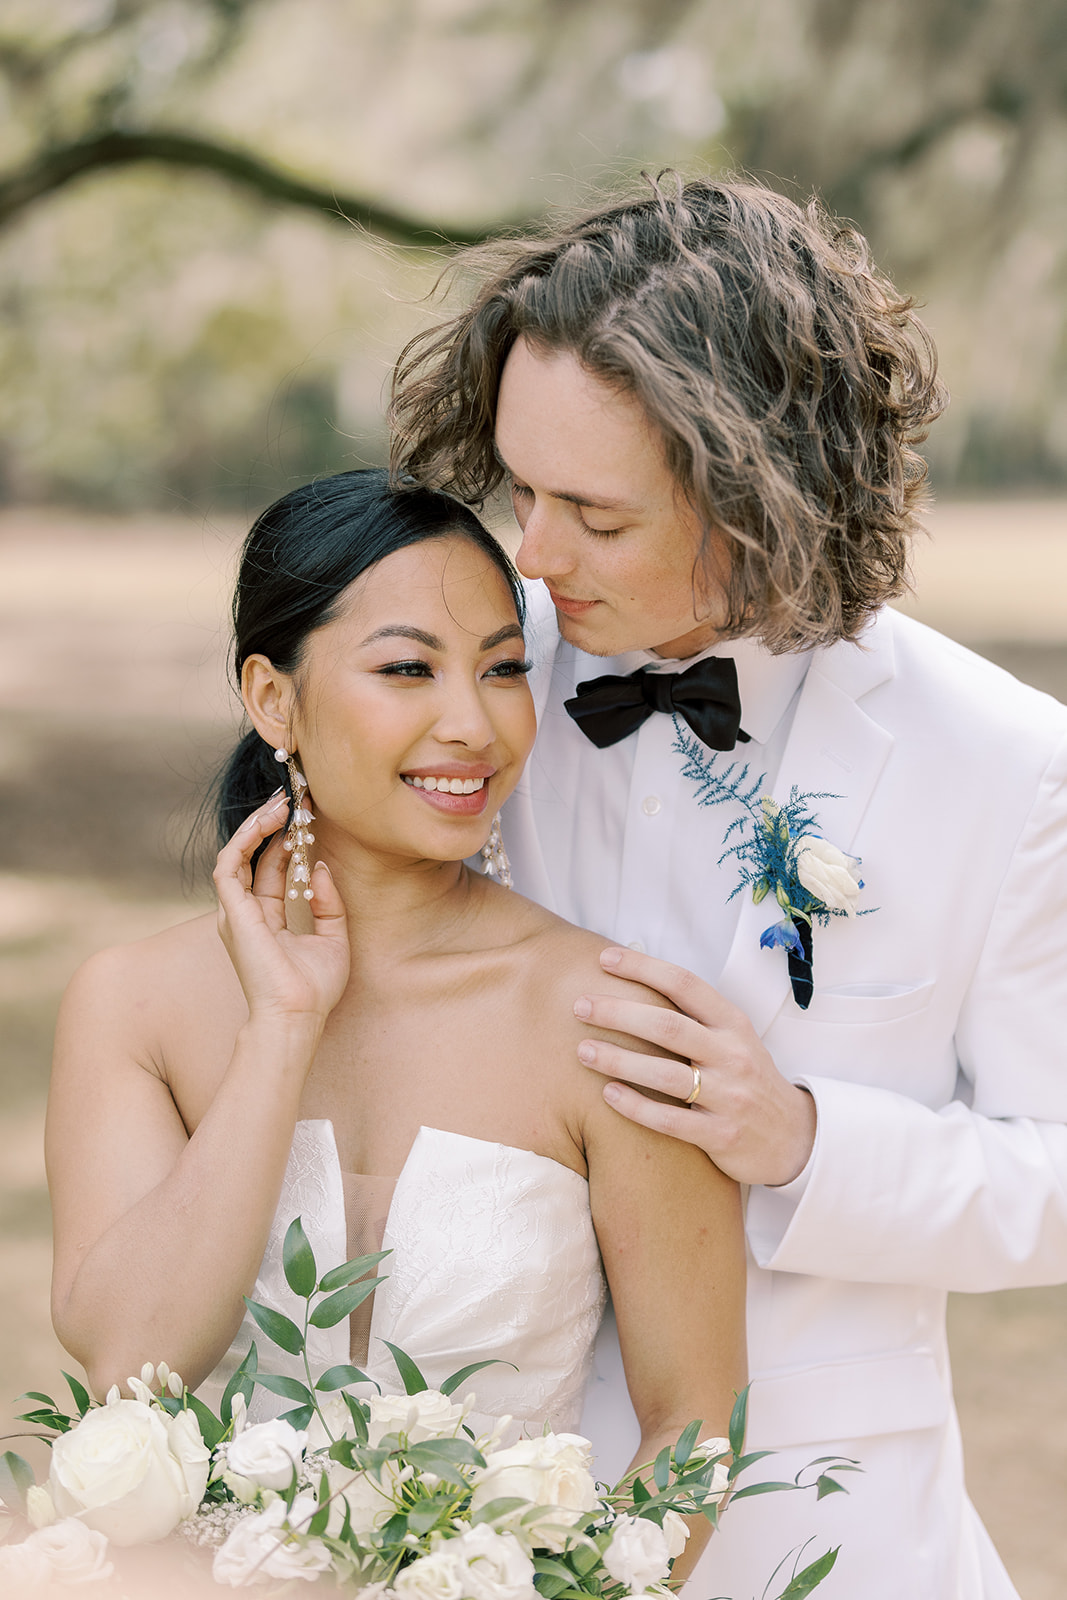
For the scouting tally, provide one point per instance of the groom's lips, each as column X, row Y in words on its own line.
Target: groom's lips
column 571, row 608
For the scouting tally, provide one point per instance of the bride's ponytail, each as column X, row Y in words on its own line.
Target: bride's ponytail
column 249, row 777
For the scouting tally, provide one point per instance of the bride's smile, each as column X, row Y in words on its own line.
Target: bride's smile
column 410, row 707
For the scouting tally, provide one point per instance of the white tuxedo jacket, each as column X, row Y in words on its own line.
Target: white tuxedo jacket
column 935, row 1045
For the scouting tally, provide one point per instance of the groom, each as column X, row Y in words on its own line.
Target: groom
column 704, row 402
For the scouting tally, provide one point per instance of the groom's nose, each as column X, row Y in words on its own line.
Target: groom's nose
column 548, row 544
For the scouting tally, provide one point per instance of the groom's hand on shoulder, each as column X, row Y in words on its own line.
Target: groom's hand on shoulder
column 754, row 1124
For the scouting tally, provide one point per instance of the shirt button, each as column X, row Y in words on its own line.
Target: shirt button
column 635, row 944
column 651, row 804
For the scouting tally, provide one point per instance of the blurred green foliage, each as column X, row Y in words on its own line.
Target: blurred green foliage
column 172, row 334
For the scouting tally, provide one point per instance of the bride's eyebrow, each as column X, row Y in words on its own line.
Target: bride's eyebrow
column 398, row 630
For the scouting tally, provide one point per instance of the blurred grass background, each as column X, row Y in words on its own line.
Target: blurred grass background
column 219, row 222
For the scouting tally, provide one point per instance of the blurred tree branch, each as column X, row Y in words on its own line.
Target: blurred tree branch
column 53, row 168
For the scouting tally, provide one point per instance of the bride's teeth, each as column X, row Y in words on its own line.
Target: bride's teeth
column 448, row 785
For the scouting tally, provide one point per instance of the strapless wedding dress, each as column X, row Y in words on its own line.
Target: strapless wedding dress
column 493, row 1257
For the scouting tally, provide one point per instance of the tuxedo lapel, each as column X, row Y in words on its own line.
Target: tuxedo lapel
column 834, row 749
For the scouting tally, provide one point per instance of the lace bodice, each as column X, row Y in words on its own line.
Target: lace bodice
column 493, row 1256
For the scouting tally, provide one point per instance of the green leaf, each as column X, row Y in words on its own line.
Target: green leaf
column 43, row 1419
column 413, row 1380
column 80, row 1393
column 241, row 1381
column 804, row 1582
column 35, row 1394
column 359, row 1418
column 211, row 1429
column 639, row 1493
column 428, row 1453
column 340, row 1377
column 759, row 1488
column 661, row 1471
column 739, row 1422
column 298, row 1260
column 684, row 1448
column 494, row 1510
column 825, row 1485
column 299, row 1417
column 341, row 1304
column 16, row 1476
column 742, row 1463
column 319, row 1521
column 549, row 1567
column 451, row 1384
column 349, row 1271
column 280, row 1330
column 288, row 1388
column 551, row 1588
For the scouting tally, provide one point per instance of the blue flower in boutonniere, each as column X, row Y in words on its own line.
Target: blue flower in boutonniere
column 810, row 878
column 780, row 852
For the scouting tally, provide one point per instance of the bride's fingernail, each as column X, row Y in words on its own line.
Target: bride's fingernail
column 610, row 958
column 587, row 1053
column 612, row 1094
column 582, row 1007
column 279, row 790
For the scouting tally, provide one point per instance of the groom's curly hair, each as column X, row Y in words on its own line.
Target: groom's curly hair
column 788, row 378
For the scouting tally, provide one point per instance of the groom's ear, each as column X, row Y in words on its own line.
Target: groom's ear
column 268, row 696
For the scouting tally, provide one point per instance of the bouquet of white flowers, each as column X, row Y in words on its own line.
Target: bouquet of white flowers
column 393, row 1496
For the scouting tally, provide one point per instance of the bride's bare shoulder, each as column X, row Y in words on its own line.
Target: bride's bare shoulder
column 568, row 965
column 169, row 967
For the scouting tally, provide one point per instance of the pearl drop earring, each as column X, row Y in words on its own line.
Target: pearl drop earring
column 297, row 835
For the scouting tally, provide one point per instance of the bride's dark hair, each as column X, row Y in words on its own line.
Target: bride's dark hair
column 299, row 558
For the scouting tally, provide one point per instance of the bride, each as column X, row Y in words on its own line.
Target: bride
column 394, row 1057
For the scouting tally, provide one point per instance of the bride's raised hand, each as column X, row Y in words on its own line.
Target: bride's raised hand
column 283, row 973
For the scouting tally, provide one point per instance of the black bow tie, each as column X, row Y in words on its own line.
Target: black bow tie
column 705, row 695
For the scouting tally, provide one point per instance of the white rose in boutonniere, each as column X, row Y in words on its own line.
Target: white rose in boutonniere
column 827, row 873
column 778, row 851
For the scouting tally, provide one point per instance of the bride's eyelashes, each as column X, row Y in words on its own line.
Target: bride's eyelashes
column 509, row 668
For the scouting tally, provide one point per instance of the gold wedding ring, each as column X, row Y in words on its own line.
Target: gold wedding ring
column 692, row 1097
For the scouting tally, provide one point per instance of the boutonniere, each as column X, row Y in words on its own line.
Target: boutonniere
column 780, row 852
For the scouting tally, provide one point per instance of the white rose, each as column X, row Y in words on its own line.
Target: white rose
column 638, row 1553
column 267, row 1453
column 827, row 873
column 498, row 1568
column 438, row 1576
column 75, row 1553
column 260, row 1548
column 23, row 1566
column 429, row 1415
column 677, row 1531
column 129, row 1471
column 550, row 1471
